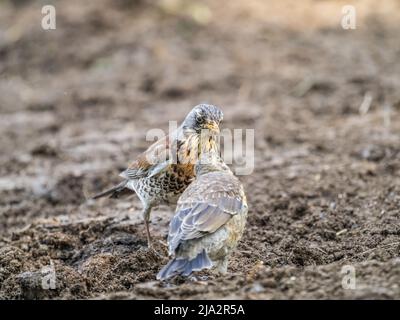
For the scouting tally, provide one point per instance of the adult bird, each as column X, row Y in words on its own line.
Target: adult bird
column 209, row 220
column 161, row 173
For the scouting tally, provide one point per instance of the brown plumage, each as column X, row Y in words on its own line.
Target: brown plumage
column 209, row 221
column 161, row 173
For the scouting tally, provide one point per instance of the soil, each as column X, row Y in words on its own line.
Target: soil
column 76, row 103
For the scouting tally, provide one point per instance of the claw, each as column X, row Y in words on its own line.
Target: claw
column 154, row 251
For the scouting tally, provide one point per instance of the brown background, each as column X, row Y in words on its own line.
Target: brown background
column 76, row 102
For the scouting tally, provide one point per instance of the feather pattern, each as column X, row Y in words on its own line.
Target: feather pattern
column 209, row 220
column 204, row 207
column 161, row 173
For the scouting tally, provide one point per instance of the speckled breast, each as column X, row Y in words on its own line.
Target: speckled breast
column 166, row 187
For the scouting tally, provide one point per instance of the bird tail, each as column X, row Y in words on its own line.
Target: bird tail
column 114, row 192
column 184, row 266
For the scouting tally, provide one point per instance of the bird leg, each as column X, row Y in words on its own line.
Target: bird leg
column 146, row 219
column 221, row 266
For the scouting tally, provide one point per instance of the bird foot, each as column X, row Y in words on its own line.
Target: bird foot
column 198, row 278
column 154, row 251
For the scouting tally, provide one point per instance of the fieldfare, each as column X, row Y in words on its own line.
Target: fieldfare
column 161, row 173
column 209, row 220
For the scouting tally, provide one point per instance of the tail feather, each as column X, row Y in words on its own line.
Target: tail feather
column 185, row 266
column 114, row 192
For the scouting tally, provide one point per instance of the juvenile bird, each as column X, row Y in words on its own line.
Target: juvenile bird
column 209, row 220
column 161, row 173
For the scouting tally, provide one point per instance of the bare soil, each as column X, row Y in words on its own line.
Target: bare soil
column 76, row 103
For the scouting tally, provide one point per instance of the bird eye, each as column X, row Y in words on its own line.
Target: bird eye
column 199, row 118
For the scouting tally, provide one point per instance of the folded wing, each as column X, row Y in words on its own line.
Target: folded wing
column 202, row 218
column 151, row 162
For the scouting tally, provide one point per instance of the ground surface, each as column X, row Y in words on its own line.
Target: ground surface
column 75, row 104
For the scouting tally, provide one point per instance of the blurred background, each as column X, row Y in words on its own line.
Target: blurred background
column 76, row 103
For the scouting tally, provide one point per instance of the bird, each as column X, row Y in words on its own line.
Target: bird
column 209, row 220
column 160, row 174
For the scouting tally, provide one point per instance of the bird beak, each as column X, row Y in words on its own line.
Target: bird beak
column 213, row 127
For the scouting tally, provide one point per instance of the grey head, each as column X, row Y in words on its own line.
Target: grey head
column 210, row 162
column 203, row 117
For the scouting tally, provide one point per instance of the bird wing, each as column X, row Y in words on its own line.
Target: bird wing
column 217, row 200
column 151, row 162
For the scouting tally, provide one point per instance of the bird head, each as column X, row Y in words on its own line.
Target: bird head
column 203, row 117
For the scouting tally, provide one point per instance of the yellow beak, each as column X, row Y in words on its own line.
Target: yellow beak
column 213, row 127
